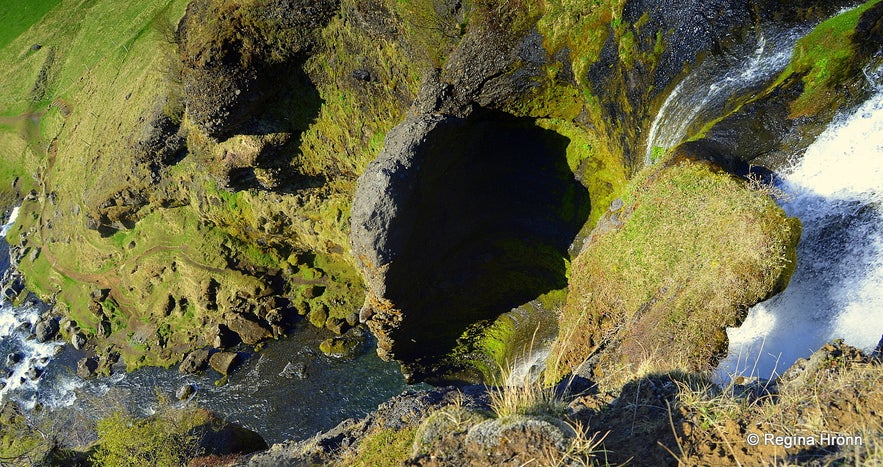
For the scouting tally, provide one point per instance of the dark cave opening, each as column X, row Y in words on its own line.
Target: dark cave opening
column 494, row 209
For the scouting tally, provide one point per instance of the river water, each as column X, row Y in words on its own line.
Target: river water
column 289, row 390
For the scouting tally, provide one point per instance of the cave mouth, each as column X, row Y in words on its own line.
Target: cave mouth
column 495, row 207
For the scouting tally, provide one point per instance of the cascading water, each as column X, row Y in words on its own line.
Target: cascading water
column 25, row 359
column 703, row 94
column 837, row 288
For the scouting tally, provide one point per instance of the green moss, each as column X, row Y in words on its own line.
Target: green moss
column 674, row 270
column 599, row 170
column 385, row 447
column 825, row 57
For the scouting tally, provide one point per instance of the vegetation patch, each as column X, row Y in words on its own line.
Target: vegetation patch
column 825, row 58
column 665, row 274
column 384, row 447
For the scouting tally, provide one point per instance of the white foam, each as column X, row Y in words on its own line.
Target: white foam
column 837, row 288
column 12, row 217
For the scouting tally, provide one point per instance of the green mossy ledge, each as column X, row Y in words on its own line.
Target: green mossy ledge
column 684, row 255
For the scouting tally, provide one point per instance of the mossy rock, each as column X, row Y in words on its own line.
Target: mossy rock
column 660, row 280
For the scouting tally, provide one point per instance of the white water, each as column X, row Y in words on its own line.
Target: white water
column 16, row 337
column 837, row 289
column 694, row 100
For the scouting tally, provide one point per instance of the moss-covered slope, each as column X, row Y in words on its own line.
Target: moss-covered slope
column 669, row 268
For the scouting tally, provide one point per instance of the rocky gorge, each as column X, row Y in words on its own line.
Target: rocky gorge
column 579, row 194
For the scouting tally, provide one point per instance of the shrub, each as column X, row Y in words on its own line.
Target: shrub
column 163, row 439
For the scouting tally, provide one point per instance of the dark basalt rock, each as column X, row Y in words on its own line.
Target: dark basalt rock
column 46, row 330
column 233, row 55
column 87, row 367
column 195, row 361
column 224, row 362
column 456, row 222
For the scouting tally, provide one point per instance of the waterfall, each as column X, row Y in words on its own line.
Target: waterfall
column 694, row 100
column 837, row 288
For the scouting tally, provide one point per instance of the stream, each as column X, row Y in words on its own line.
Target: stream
column 288, row 390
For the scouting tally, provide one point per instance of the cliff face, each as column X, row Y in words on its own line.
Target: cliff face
column 194, row 177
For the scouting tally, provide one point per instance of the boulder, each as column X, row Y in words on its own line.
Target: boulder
column 87, row 367
column 196, row 360
column 248, row 328
column 348, row 345
column 45, row 330
column 78, row 340
column 221, row 337
column 224, row 362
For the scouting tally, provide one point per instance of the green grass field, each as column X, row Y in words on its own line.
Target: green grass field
column 17, row 16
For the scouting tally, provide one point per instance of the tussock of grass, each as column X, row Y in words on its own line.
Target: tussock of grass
column 385, row 447
column 685, row 257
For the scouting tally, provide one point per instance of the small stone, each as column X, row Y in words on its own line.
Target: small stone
column 34, row 373
column 185, row 391
column 294, row 371
column 13, row 358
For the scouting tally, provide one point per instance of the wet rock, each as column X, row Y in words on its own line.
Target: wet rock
column 248, row 328
column 13, row 358
column 224, row 362
column 78, row 340
column 87, row 367
column 34, row 373
column 185, row 391
column 46, row 330
column 294, row 371
column 196, row 360
column 348, row 345
column 337, row 325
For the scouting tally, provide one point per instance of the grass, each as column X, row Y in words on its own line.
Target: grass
column 673, row 268
column 16, row 17
column 385, row 447
column 843, row 396
column 825, row 58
